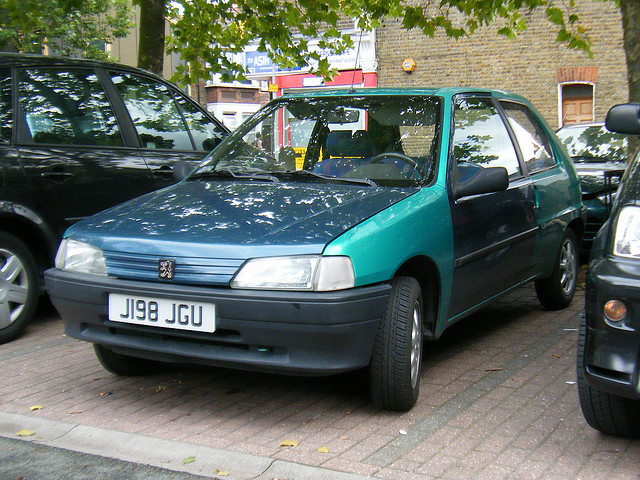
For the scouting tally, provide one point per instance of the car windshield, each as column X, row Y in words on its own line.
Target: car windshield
column 374, row 140
column 594, row 143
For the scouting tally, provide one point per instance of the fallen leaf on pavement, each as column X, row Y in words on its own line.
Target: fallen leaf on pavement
column 289, row 443
column 25, row 433
column 221, row 473
column 323, row 450
column 35, row 407
column 188, row 460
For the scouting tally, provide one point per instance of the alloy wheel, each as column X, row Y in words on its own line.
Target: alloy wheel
column 14, row 287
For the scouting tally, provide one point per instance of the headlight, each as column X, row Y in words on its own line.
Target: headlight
column 627, row 238
column 80, row 257
column 305, row 272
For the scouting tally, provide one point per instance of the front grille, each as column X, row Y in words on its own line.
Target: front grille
column 188, row 270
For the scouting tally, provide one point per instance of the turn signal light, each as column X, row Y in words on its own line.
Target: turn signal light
column 615, row 310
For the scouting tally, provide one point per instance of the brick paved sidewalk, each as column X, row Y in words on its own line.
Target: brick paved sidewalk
column 498, row 400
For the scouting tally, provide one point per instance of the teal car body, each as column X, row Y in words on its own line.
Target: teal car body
column 330, row 232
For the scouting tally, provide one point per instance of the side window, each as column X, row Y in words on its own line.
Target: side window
column 6, row 118
column 66, row 107
column 153, row 111
column 534, row 143
column 205, row 133
column 481, row 139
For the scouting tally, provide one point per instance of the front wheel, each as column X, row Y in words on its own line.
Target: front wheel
column 556, row 292
column 396, row 360
column 19, row 289
column 123, row 365
column 607, row 413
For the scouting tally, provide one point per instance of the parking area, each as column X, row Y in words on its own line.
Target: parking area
column 498, row 400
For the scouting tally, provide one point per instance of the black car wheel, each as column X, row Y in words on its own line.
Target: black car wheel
column 607, row 413
column 556, row 292
column 18, row 287
column 397, row 352
column 122, row 364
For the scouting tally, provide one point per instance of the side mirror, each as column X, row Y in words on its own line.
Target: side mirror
column 485, row 180
column 624, row 118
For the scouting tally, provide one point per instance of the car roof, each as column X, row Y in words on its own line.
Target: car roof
column 406, row 91
column 32, row 60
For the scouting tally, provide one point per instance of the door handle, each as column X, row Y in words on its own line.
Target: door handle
column 165, row 172
column 57, row 173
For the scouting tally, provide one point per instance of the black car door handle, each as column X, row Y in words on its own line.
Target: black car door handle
column 57, row 175
column 165, row 172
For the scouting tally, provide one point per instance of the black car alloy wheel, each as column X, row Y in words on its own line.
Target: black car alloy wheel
column 18, row 287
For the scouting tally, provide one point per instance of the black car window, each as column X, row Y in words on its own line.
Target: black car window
column 534, row 143
column 481, row 139
column 66, row 107
column 205, row 133
column 153, row 111
column 6, row 119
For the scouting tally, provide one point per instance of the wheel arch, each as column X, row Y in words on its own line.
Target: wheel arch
column 426, row 272
column 34, row 233
column 577, row 226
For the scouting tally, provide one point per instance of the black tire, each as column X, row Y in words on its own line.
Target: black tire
column 396, row 360
column 557, row 291
column 123, row 365
column 610, row 414
column 19, row 289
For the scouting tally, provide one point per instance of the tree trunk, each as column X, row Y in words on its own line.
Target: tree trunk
column 151, row 41
column 631, row 34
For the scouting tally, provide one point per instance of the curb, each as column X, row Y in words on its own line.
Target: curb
column 161, row 453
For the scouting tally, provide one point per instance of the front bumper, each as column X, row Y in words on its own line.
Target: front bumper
column 304, row 333
column 612, row 350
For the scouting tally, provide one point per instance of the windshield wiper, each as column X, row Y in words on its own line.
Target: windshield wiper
column 228, row 173
column 333, row 178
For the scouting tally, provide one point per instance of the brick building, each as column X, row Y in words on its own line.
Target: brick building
column 565, row 85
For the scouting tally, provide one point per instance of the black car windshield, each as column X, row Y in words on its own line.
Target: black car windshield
column 594, row 143
column 369, row 140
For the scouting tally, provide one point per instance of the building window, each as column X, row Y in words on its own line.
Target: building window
column 577, row 103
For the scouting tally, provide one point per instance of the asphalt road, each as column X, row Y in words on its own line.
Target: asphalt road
column 21, row 460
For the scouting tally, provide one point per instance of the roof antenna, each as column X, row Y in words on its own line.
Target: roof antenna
column 355, row 66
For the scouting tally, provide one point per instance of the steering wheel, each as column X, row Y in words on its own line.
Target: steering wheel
column 400, row 156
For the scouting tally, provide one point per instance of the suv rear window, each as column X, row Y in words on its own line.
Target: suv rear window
column 5, row 107
column 66, row 107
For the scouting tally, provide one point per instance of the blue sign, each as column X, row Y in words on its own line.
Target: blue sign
column 259, row 62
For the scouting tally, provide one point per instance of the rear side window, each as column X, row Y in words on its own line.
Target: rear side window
column 153, row 111
column 534, row 143
column 481, row 138
column 205, row 133
column 6, row 118
column 66, row 107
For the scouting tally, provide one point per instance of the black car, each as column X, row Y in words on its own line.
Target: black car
column 76, row 137
column 600, row 157
column 609, row 341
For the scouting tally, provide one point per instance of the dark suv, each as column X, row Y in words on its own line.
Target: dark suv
column 609, row 342
column 76, row 137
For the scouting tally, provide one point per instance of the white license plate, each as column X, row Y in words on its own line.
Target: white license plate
column 162, row 312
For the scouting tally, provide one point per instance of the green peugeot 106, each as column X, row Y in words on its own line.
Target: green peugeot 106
column 331, row 231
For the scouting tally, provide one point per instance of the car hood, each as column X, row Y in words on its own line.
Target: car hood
column 238, row 214
column 593, row 174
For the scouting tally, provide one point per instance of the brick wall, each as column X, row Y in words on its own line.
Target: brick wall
column 532, row 65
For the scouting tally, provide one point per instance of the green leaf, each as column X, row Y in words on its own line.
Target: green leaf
column 555, row 15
